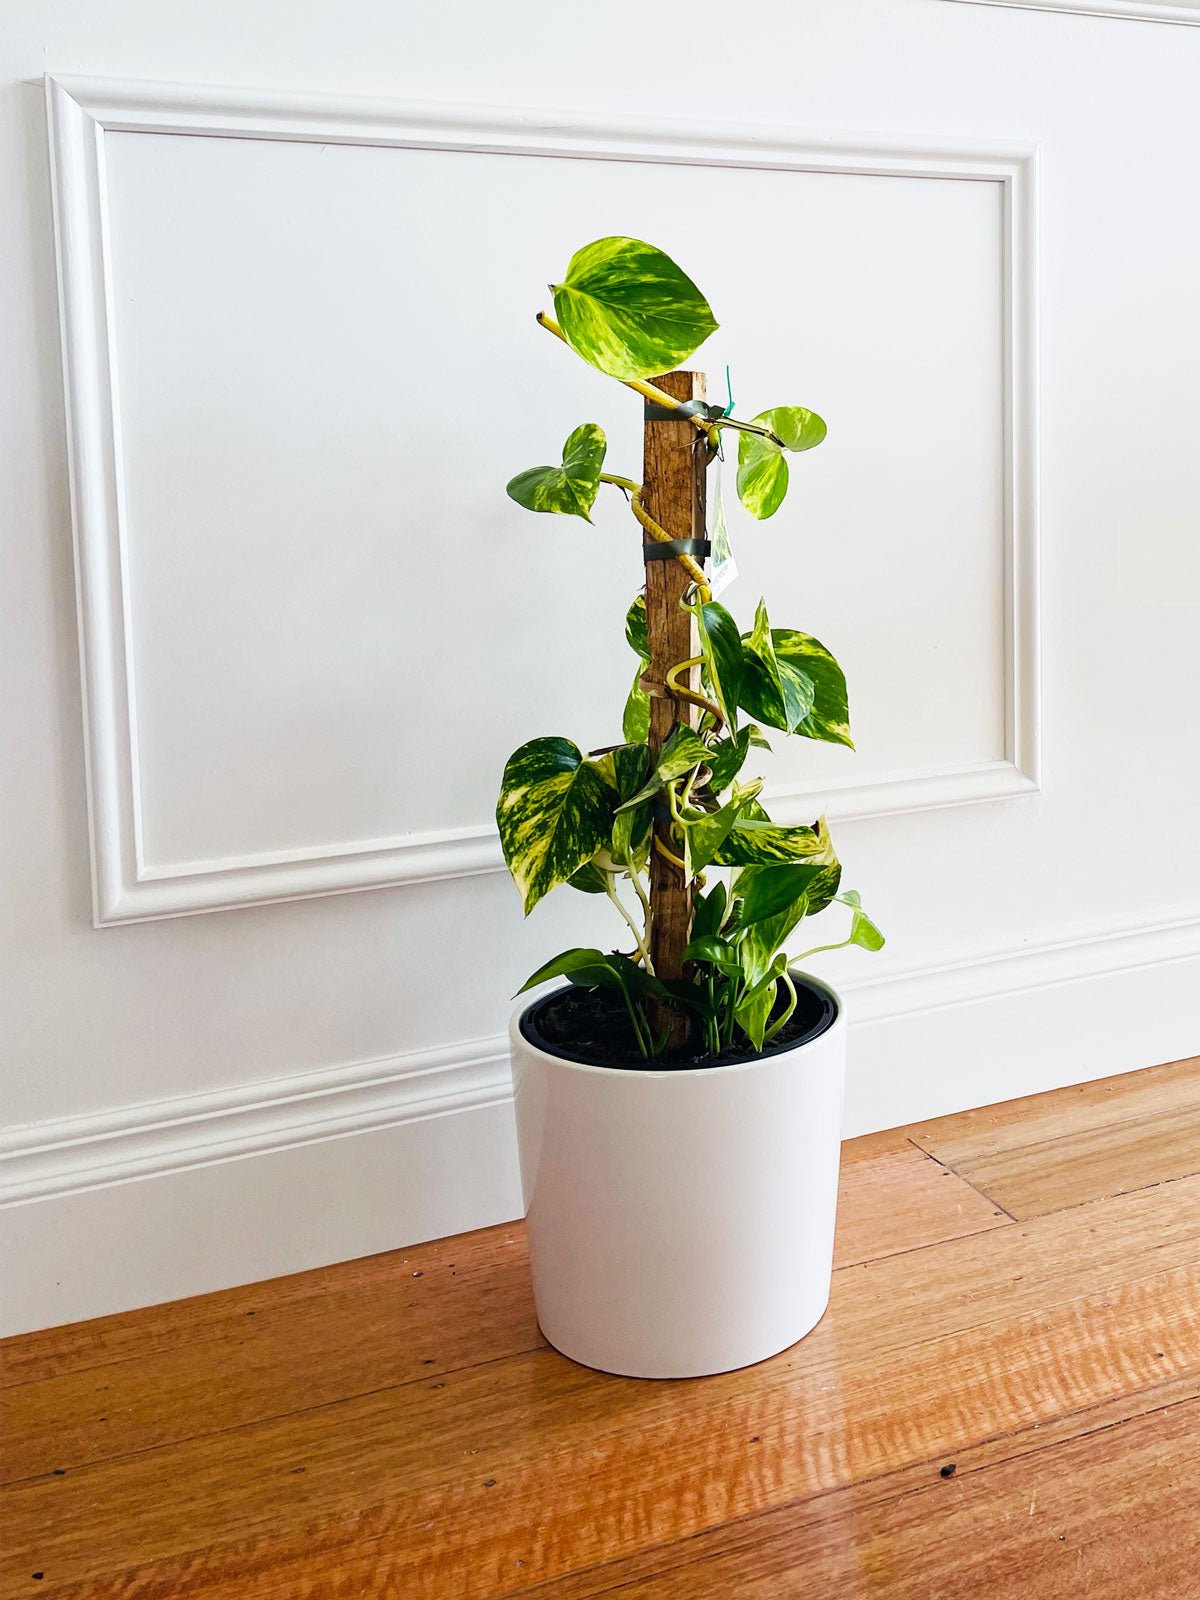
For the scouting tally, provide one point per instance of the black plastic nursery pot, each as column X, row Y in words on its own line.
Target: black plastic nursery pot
column 591, row 1026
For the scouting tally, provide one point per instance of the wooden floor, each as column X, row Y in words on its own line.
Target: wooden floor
column 1002, row 1401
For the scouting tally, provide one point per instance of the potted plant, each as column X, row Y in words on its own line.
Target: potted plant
column 678, row 1100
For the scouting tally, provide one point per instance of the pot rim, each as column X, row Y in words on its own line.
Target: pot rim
column 766, row 1059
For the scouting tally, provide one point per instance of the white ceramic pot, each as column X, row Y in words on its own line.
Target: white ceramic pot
column 681, row 1223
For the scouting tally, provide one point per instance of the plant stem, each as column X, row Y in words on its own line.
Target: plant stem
column 647, row 911
column 611, row 892
column 818, row 948
column 751, row 427
column 648, row 391
column 785, row 978
column 656, row 530
column 638, row 1025
column 680, row 693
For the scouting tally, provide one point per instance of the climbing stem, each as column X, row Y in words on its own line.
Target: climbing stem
column 648, row 391
column 675, row 688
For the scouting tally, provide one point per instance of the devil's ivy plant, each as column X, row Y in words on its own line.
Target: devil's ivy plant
column 566, row 817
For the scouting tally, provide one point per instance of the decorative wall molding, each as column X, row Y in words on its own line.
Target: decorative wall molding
column 146, row 1141
column 1186, row 12
column 82, row 112
column 55, row 1159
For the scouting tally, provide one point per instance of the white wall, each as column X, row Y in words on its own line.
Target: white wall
column 198, row 1099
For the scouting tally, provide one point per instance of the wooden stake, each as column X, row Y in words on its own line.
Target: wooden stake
column 673, row 475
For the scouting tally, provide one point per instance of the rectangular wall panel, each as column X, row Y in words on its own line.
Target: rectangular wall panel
column 304, row 367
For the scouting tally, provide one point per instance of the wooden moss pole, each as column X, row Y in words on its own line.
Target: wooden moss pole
column 673, row 475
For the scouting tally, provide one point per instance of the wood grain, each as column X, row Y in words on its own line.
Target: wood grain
column 1106, row 1102
column 673, row 481
column 459, row 1302
column 1026, row 1516
column 397, row 1427
column 1032, row 1180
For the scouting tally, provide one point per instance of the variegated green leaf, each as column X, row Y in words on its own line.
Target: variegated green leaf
column 635, row 627
column 771, row 689
column 705, row 837
column 754, row 842
column 570, row 488
column 631, row 836
column 635, row 719
column 721, row 651
column 626, row 308
column 726, row 757
column 829, row 718
column 623, row 768
column 682, row 751
column 555, row 811
column 762, row 476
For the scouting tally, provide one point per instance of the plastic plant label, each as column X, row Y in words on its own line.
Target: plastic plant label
column 724, row 567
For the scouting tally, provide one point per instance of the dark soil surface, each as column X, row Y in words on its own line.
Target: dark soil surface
column 592, row 1026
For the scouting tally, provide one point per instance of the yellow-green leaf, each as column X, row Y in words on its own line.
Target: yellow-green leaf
column 762, row 476
column 626, row 308
column 571, row 488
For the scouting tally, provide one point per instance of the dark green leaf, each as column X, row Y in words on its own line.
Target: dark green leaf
column 726, row 758
column 766, row 891
column 626, row 308
column 585, row 967
column 714, row 952
column 589, row 879
column 570, row 488
column 709, row 911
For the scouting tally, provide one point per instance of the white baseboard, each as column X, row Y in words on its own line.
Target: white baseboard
column 128, row 1207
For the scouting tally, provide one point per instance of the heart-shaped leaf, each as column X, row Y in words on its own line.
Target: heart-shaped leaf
column 863, row 931
column 762, row 476
column 555, row 811
column 772, row 690
column 829, row 717
column 570, row 488
column 626, row 308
